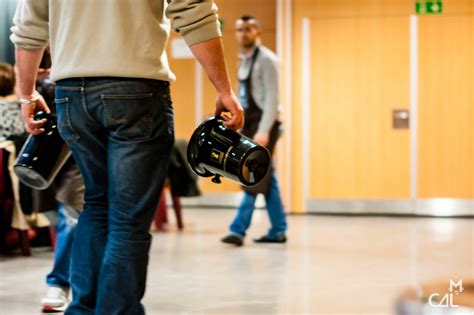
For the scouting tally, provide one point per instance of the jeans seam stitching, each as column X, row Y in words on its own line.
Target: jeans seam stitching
column 126, row 96
column 162, row 84
column 110, row 119
column 68, row 122
column 84, row 105
column 61, row 100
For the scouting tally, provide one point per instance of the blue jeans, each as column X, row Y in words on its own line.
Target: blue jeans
column 65, row 231
column 121, row 132
column 275, row 211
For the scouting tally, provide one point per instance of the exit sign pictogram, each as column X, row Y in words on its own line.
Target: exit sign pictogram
column 429, row 7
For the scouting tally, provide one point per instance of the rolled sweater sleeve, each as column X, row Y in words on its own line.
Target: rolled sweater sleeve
column 195, row 20
column 271, row 95
column 30, row 24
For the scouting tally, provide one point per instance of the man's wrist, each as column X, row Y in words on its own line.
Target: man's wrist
column 29, row 99
column 224, row 91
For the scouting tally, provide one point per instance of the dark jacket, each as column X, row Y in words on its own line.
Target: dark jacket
column 183, row 180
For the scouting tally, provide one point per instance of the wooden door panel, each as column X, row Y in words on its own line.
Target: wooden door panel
column 359, row 74
column 446, row 106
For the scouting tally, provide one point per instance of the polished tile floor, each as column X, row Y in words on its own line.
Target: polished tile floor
column 331, row 265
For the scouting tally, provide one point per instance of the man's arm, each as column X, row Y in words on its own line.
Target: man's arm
column 196, row 21
column 30, row 36
column 210, row 55
column 27, row 64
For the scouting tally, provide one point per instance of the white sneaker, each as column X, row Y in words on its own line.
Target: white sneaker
column 56, row 299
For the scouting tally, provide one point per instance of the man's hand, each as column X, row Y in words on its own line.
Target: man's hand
column 229, row 103
column 27, row 62
column 262, row 138
column 28, row 112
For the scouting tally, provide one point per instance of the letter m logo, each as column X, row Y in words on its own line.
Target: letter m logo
column 453, row 285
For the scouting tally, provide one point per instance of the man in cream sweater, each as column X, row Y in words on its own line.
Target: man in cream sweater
column 115, row 112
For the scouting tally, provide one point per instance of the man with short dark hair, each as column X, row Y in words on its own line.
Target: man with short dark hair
column 115, row 112
column 259, row 96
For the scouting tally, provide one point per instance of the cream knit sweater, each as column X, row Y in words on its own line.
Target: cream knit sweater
column 117, row 38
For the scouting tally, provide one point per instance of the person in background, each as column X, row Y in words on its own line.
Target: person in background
column 10, row 113
column 258, row 93
column 68, row 190
column 116, row 114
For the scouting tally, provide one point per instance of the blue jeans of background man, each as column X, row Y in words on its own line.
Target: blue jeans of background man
column 120, row 131
column 275, row 210
column 65, row 231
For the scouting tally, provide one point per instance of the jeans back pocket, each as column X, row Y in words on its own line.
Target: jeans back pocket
column 130, row 116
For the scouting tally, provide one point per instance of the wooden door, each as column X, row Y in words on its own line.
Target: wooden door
column 359, row 75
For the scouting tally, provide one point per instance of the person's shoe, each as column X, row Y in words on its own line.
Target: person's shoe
column 56, row 299
column 233, row 239
column 267, row 239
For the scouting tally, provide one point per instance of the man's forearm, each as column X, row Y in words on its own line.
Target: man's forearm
column 210, row 55
column 27, row 62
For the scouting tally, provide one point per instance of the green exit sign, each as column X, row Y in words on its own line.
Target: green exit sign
column 429, row 7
